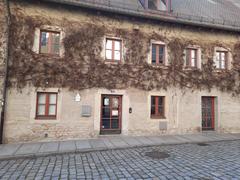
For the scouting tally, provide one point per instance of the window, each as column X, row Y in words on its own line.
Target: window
column 46, row 105
column 221, row 60
column 113, row 49
column 157, row 107
column 191, row 58
column 49, row 42
column 158, row 54
column 161, row 5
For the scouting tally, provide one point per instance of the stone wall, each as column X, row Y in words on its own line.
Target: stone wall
column 183, row 106
column 3, row 47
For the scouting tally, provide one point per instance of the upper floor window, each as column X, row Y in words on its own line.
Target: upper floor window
column 191, row 58
column 158, row 53
column 49, row 42
column 157, row 106
column 113, row 49
column 162, row 5
column 46, row 105
column 221, row 60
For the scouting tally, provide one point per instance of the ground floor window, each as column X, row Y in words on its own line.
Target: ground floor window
column 46, row 105
column 157, row 107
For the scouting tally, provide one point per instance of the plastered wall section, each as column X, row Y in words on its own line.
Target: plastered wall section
column 183, row 114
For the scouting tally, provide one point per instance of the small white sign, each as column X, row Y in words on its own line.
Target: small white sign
column 78, row 97
column 114, row 112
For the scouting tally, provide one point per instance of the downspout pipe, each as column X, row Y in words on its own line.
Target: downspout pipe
column 6, row 62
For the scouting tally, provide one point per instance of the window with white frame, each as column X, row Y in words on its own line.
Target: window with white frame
column 191, row 58
column 158, row 53
column 113, row 49
column 221, row 59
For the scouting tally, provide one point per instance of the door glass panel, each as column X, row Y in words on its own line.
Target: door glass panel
column 106, row 112
column 115, row 123
column 115, row 102
column 106, row 123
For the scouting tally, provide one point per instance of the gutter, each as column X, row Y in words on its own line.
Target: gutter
column 6, row 62
column 154, row 15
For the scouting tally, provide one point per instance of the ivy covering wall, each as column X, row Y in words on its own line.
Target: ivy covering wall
column 83, row 67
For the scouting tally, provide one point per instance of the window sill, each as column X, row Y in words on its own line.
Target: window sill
column 50, row 55
column 158, row 117
column 159, row 66
column 191, row 68
column 112, row 61
column 46, row 118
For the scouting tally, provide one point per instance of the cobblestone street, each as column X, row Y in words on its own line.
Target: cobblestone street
column 219, row 160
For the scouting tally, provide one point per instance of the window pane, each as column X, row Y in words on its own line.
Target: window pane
column 117, row 55
column 223, row 64
column 41, row 110
column 223, row 56
column 153, row 105
column 160, row 105
column 108, row 54
column 193, row 63
column 41, row 98
column 154, row 50
column 193, row 53
column 160, row 110
column 161, row 54
column 115, row 102
column 52, row 98
column 52, row 110
column 44, row 42
column 109, row 44
column 50, row 42
column 117, row 45
column 218, row 56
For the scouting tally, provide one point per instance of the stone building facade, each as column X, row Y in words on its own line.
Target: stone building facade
column 83, row 70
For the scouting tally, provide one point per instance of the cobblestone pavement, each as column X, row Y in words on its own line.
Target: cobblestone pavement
column 219, row 160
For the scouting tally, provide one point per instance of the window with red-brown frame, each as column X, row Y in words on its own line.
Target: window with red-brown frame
column 157, row 107
column 158, row 54
column 221, row 60
column 113, row 51
column 49, row 42
column 46, row 105
column 191, row 58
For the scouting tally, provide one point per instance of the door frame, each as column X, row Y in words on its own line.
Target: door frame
column 213, row 109
column 111, row 131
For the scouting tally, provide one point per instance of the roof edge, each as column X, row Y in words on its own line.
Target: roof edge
column 142, row 13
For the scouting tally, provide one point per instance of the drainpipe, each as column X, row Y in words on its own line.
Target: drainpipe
column 5, row 62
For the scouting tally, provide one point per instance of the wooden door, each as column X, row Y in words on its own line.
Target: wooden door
column 111, row 114
column 208, row 113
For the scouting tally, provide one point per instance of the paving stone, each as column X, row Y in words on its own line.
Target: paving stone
column 97, row 143
column 28, row 149
column 118, row 142
column 9, row 149
column 67, row 146
column 49, row 147
column 83, row 144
